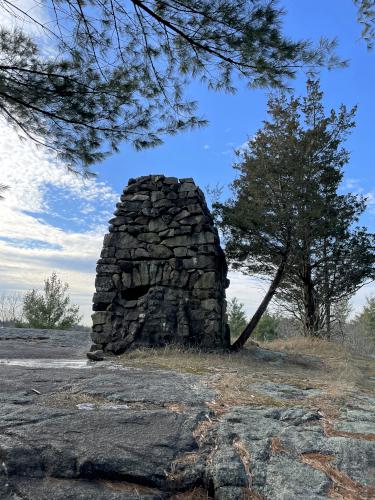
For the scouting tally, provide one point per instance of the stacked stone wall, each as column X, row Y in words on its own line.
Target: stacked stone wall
column 161, row 277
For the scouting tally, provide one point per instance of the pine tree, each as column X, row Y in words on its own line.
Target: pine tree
column 267, row 328
column 367, row 316
column 286, row 218
column 366, row 16
column 333, row 258
column 50, row 309
column 119, row 69
column 236, row 317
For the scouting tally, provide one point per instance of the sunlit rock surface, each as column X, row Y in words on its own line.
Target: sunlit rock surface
column 71, row 429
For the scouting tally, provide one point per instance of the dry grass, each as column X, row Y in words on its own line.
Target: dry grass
column 309, row 363
column 341, row 374
column 303, row 353
column 276, row 446
column 126, row 488
column 202, row 430
column 196, row 494
column 69, row 398
column 304, row 344
column 231, row 374
column 323, row 349
column 236, row 390
column 342, row 367
column 330, row 431
column 244, row 455
column 199, row 362
column 181, row 462
column 193, row 361
column 176, row 407
column 343, row 487
column 201, row 494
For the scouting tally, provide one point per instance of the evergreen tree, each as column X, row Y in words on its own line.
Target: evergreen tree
column 367, row 316
column 236, row 317
column 340, row 312
column 332, row 258
column 267, row 328
column 287, row 220
column 119, row 69
column 50, row 309
column 366, row 16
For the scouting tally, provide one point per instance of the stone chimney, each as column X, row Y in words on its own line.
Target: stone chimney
column 161, row 277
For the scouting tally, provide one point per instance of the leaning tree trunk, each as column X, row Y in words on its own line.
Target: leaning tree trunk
column 245, row 335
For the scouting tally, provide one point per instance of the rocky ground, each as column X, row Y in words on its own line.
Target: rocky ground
column 268, row 425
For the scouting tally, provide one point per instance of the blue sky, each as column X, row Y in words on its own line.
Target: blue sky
column 54, row 221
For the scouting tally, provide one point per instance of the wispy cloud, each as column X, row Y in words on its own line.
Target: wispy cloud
column 28, row 15
column 230, row 149
column 247, row 290
column 356, row 186
column 233, row 149
column 50, row 220
column 33, row 18
column 370, row 201
column 352, row 183
column 245, row 146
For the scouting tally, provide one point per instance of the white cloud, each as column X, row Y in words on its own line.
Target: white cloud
column 32, row 245
column 352, row 183
column 241, row 148
column 247, row 290
column 244, row 147
column 32, row 17
column 25, row 14
column 356, row 186
column 206, row 147
column 370, row 201
column 359, row 299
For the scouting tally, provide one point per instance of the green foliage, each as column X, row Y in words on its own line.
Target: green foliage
column 286, row 207
column 119, row 69
column 367, row 316
column 267, row 328
column 340, row 312
column 50, row 309
column 236, row 317
column 366, row 16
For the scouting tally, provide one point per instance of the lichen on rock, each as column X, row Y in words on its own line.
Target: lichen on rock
column 162, row 274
